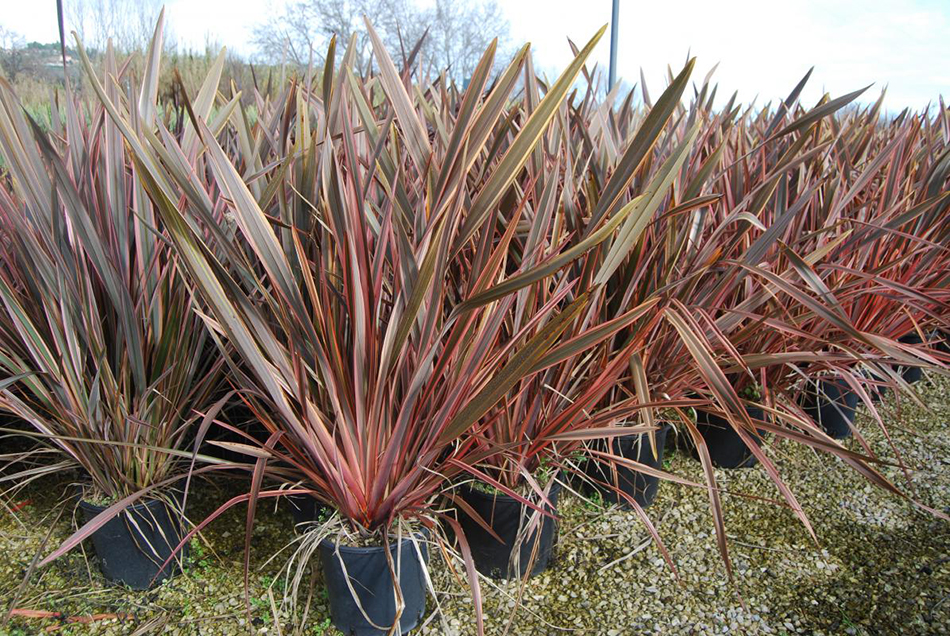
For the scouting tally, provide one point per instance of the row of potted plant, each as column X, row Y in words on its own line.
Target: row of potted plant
column 440, row 307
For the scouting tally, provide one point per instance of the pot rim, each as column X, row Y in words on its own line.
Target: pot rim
column 330, row 544
column 466, row 487
column 176, row 490
column 145, row 502
column 667, row 426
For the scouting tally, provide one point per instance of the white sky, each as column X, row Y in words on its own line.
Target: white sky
column 763, row 47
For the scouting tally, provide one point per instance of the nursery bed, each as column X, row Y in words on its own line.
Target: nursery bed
column 881, row 566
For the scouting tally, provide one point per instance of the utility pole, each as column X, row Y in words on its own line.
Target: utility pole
column 614, row 28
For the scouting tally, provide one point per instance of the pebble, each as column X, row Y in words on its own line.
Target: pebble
column 879, row 567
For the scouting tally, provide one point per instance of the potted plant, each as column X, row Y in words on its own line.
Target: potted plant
column 98, row 324
column 362, row 366
column 625, row 469
column 509, row 511
column 733, row 258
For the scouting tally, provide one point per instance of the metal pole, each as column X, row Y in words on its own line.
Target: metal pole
column 614, row 28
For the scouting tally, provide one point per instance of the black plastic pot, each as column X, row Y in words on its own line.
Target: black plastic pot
column 911, row 374
column 372, row 582
column 507, row 516
column 831, row 406
column 239, row 415
column 636, row 484
column 877, row 391
column 16, row 442
column 305, row 509
column 941, row 340
column 726, row 448
column 132, row 553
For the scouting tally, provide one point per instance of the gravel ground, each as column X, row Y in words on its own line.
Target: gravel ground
column 881, row 566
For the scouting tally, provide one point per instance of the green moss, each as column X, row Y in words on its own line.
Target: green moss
column 98, row 498
column 484, row 487
column 594, row 501
column 323, row 628
column 751, row 392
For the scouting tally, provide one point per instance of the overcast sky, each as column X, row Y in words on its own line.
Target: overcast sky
column 763, row 48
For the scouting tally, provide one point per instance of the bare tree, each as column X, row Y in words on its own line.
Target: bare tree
column 13, row 57
column 458, row 32
column 129, row 23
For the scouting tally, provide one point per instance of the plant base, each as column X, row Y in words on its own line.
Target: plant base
column 305, row 509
